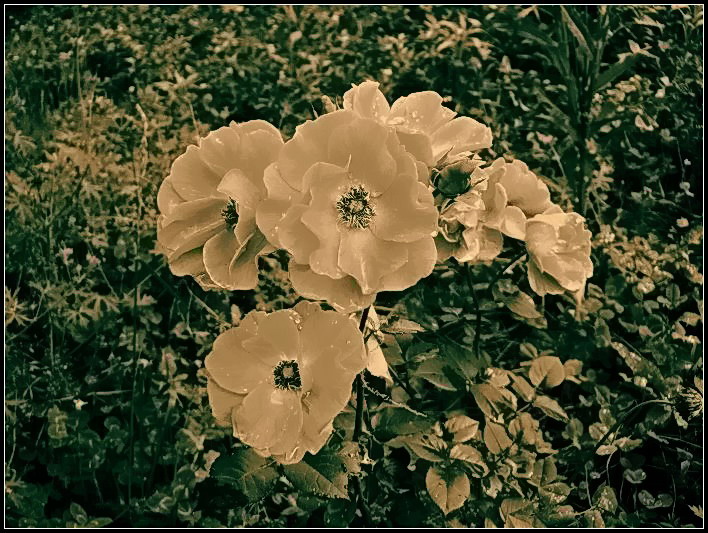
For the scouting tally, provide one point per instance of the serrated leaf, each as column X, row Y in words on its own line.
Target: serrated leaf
column 376, row 363
column 462, row 427
column 427, row 447
column 516, row 512
column 523, row 305
column 432, row 370
column 253, row 475
column 544, row 472
column 594, row 519
column 324, row 474
column 394, row 421
column 351, row 457
column 493, row 400
column 471, row 456
column 546, row 370
column 448, row 490
column 522, row 388
column 550, row 407
column 496, row 438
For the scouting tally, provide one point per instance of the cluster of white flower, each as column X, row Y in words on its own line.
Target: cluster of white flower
column 356, row 198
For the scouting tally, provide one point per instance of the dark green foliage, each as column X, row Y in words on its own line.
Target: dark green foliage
column 107, row 421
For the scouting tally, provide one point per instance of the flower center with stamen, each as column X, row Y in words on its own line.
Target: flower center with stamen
column 230, row 214
column 286, row 375
column 355, row 208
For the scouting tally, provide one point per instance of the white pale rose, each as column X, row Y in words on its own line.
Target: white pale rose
column 207, row 223
column 346, row 201
column 427, row 129
column 559, row 252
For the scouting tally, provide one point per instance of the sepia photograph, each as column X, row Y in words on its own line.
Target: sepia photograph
column 353, row 266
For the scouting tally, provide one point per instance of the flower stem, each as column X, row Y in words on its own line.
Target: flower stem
column 360, row 386
column 358, row 423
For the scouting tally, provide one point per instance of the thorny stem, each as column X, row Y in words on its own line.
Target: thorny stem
column 358, row 422
column 360, row 386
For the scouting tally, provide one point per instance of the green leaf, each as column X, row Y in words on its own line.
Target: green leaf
column 472, row 457
column 447, row 489
column 547, row 371
column 523, row 305
column 324, row 474
column 394, row 421
column 605, row 498
column 462, row 427
column 78, row 513
column 615, row 71
column 403, row 325
column 339, row 513
column 517, row 512
column 550, row 407
column 493, row 400
column 496, row 438
column 522, row 388
column 554, row 493
column 432, row 370
column 253, row 475
column 544, row 472
column 426, row 446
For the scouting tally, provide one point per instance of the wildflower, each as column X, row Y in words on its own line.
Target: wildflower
column 682, row 223
column 689, row 402
column 346, row 201
column 427, row 129
column 207, row 227
column 279, row 379
column 65, row 253
column 559, row 252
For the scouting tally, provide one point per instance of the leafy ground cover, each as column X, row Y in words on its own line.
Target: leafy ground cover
column 107, row 420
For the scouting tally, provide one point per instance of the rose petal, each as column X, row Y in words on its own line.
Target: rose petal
column 190, row 225
column 460, row 135
column 309, row 145
column 191, row 178
column 418, row 145
column 280, row 330
column 167, row 197
column 233, row 367
column 238, row 186
column 343, row 294
column 541, row 283
column 269, row 419
column 295, row 236
column 513, row 222
column 367, row 101
column 367, row 258
column 422, row 256
column 420, row 112
column 358, row 146
column 222, row 402
column 405, row 213
column 327, row 184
